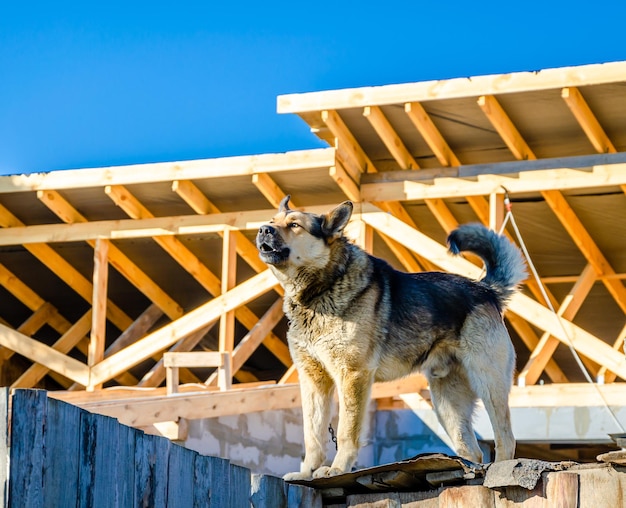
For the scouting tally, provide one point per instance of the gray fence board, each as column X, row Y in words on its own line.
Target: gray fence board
column 27, row 448
column 4, row 446
column 60, row 478
column 61, row 455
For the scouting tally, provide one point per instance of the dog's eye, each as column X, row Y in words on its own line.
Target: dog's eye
column 293, row 225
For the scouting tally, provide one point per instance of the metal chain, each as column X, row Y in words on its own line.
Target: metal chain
column 333, row 437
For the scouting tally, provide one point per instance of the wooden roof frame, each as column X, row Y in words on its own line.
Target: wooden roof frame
column 382, row 199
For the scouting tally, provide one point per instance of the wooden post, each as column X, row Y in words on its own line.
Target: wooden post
column 496, row 210
column 99, row 304
column 229, row 280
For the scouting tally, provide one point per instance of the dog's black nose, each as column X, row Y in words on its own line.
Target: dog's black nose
column 267, row 230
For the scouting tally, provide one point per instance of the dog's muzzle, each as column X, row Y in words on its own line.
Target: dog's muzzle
column 271, row 247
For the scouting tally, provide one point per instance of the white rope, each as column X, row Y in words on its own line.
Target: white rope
column 509, row 216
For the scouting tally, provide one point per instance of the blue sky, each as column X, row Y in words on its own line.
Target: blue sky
column 92, row 84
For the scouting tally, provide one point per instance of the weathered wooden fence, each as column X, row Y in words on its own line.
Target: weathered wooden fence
column 64, row 456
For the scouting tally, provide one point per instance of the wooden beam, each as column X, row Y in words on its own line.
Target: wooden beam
column 223, row 167
column 466, row 87
column 251, row 341
column 63, row 209
column 229, row 278
column 45, row 355
column 424, row 124
column 530, row 339
column 203, row 206
column 344, row 181
column 389, row 137
column 503, row 124
column 29, row 327
column 97, row 341
column 547, row 344
column 247, row 250
column 350, row 145
column 587, row 120
column 220, row 359
column 583, row 341
column 62, row 269
column 155, row 376
column 190, row 322
column 583, row 240
column 64, row 344
column 411, row 189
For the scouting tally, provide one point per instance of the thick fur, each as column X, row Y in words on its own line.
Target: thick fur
column 355, row 320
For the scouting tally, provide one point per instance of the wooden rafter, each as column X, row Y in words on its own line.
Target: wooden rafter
column 587, row 120
column 66, row 272
column 547, row 344
column 503, row 125
column 66, row 212
column 389, row 137
column 245, row 248
column 167, row 335
column 426, row 127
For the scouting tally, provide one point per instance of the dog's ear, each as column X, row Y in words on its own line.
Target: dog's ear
column 284, row 204
column 336, row 220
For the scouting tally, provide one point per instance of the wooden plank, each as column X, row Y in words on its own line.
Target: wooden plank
column 202, row 481
column 169, row 334
column 408, row 189
column 221, row 482
column 63, row 209
column 355, row 153
column 45, row 355
column 424, row 124
column 389, row 137
column 203, row 206
column 170, row 171
column 5, row 416
column 239, row 487
column 226, row 337
column 64, row 345
column 155, row 376
column 97, row 340
column 28, row 420
column 66, row 272
column 583, row 240
column 547, row 343
column 62, row 431
column 267, row 491
column 344, row 181
column 180, row 476
column 29, row 327
column 561, row 490
column 587, row 120
column 151, row 458
column 505, row 127
column 474, row 86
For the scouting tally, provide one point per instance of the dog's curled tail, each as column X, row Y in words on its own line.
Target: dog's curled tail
column 504, row 262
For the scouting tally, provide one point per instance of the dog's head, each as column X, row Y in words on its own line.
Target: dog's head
column 293, row 238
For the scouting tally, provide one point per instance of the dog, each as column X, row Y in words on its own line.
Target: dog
column 355, row 320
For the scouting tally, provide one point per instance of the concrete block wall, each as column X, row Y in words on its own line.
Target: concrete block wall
column 271, row 442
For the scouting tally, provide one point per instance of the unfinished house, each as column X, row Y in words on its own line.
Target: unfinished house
column 137, row 292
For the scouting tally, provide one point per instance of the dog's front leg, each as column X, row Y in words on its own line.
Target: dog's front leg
column 354, row 394
column 316, row 388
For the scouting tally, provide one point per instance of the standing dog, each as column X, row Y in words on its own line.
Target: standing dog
column 354, row 320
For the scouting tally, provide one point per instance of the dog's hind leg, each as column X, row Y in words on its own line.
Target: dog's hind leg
column 489, row 364
column 454, row 402
column 316, row 389
column 354, row 393
column 492, row 385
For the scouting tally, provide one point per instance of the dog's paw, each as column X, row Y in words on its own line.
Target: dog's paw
column 326, row 472
column 291, row 477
